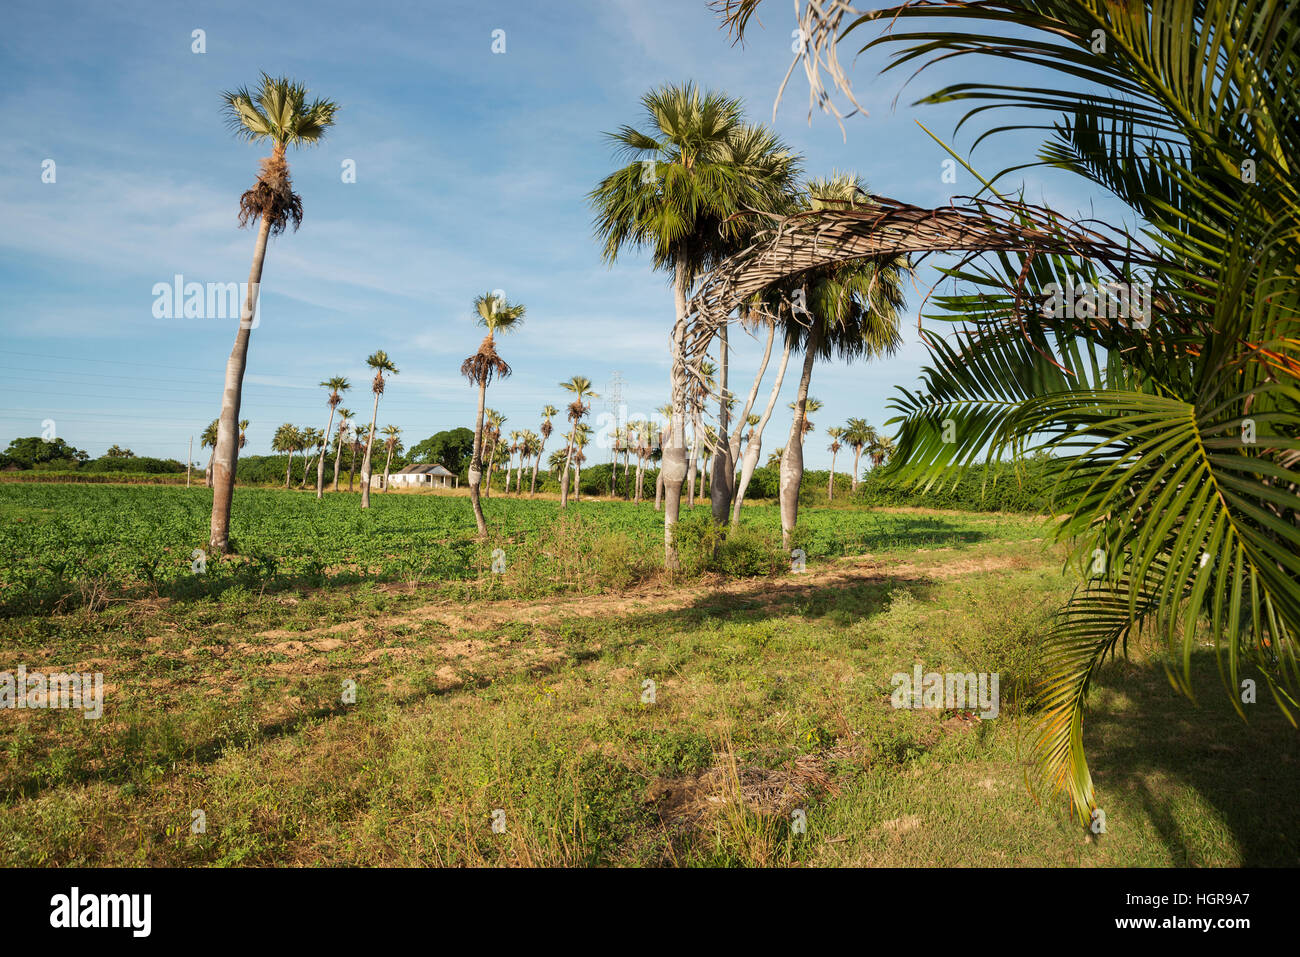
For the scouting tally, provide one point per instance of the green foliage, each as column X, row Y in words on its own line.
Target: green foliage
column 35, row 452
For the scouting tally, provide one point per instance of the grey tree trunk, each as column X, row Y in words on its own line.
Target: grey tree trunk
column 723, row 478
column 692, row 466
column 320, row 465
column 755, row 446
column 792, row 458
column 533, row 488
column 857, row 466
column 830, row 484
column 476, row 461
column 673, row 467
column 365, row 465
column 226, row 453
column 288, row 469
column 338, row 459
column 387, row 462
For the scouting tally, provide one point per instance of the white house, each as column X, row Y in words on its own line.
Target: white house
column 418, row 476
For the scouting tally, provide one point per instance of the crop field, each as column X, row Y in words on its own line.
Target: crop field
column 69, row 544
column 575, row 705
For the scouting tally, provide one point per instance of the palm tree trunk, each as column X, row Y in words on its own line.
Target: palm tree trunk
column 693, row 461
column 755, row 446
column 320, row 464
column 673, row 468
column 723, row 474
column 365, row 465
column 792, row 459
column 338, row 459
column 476, row 461
column 857, row 469
column 287, row 469
column 226, row 453
column 387, row 462
column 830, row 485
column 207, row 474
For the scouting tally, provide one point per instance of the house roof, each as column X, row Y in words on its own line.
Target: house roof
column 434, row 469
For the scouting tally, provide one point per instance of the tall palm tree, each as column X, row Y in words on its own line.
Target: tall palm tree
column 580, row 386
column 337, row 385
column 345, row 423
column 380, row 362
column 392, row 443
column 287, row 438
column 859, row 435
column 548, row 413
column 1173, row 434
column 209, row 440
column 834, row 432
column 852, row 312
column 278, row 112
column 496, row 314
column 677, row 197
column 810, row 406
column 581, row 437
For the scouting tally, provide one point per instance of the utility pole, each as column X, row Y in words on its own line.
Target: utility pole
column 189, row 459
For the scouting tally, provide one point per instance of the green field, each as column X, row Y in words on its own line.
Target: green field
column 524, row 692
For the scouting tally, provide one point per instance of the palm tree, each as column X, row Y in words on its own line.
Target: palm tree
column 287, row 438
column 495, row 313
column 779, row 306
column 337, row 385
column 345, row 423
column 811, row 405
column 880, row 451
column 515, row 437
column 209, row 439
column 392, row 443
column 359, row 435
column 548, row 413
column 581, row 436
column 491, row 438
column 677, row 196
column 580, row 386
column 243, row 433
column 852, row 311
column 380, row 362
column 774, row 460
column 309, row 438
column 530, row 447
column 859, row 435
column 1173, row 434
column 558, row 462
column 279, row 112
column 834, row 432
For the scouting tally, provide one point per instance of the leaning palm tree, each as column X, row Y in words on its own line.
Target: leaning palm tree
column 278, row 112
column 286, row 439
column 1172, row 419
column 547, row 414
column 496, row 314
column 345, row 423
column 337, row 385
column 392, row 443
column 209, row 440
column 580, row 386
column 687, row 177
column 834, row 432
column 380, row 362
column 859, row 435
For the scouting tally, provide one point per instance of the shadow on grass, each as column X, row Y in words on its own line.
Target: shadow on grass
column 1249, row 773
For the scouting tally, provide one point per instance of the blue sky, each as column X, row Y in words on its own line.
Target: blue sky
column 472, row 170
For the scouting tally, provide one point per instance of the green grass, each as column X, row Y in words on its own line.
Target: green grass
column 493, row 692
